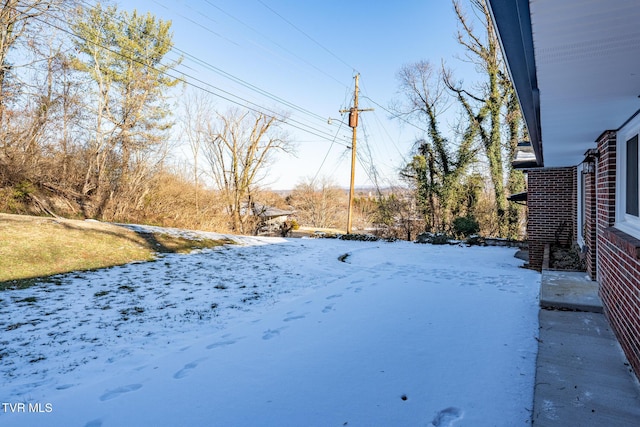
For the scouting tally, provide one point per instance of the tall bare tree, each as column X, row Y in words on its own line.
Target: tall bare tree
column 25, row 100
column 197, row 111
column 16, row 17
column 239, row 148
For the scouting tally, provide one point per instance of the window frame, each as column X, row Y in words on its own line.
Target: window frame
column 625, row 222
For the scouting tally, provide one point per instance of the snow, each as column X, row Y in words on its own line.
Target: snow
column 277, row 332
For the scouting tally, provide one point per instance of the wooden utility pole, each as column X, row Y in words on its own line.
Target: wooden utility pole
column 353, row 124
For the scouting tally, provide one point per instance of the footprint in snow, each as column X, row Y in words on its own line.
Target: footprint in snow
column 328, row 308
column 64, row 386
column 112, row 394
column 334, row 296
column 271, row 333
column 94, row 423
column 290, row 318
column 220, row 344
column 447, row 417
column 185, row 370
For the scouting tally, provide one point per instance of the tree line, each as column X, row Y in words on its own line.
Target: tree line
column 86, row 114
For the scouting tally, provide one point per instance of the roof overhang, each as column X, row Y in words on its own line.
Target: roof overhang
column 525, row 157
column 575, row 65
column 518, row 197
column 512, row 20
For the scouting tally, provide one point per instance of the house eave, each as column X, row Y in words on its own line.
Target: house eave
column 512, row 22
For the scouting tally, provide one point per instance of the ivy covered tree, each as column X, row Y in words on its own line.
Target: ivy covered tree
column 492, row 110
column 438, row 165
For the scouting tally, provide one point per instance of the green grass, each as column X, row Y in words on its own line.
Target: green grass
column 32, row 248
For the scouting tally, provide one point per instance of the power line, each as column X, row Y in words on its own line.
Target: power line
column 249, row 85
column 370, row 168
column 326, row 155
column 261, row 34
column 195, row 22
column 247, row 104
column 375, row 115
column 232, row 77
column 307, row 36
column 396, row 116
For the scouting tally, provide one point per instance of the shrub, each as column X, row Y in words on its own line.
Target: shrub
column 465, row 226
column 434, row 239
column 22, row 190
column 439, row 239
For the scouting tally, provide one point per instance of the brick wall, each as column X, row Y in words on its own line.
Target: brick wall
column 618, row 259
column 551, row 201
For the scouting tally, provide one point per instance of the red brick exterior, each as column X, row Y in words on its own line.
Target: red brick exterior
column 589, row 232
column 618, row 258
column 612, row 256
column 552, row 205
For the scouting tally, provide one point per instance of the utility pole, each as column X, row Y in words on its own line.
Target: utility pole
column 353, row 124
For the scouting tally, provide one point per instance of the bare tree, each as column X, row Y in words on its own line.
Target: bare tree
column 27, row 95
column 197, row 111
column 15, row 18
column 239, row 148
column 320, row 204
column 397, row 215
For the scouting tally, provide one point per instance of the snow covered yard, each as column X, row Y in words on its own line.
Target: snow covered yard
column 275, row 332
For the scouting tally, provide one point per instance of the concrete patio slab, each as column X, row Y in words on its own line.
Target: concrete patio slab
column 582, row 375
column 569, row 290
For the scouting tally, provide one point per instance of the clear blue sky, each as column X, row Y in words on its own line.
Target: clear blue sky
column 307, row 52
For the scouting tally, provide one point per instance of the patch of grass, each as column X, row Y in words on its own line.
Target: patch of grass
column 15, row 326
column 34, row 248
column 126, row 312
column 37, row 359
column 254, row 296
column 176, row 244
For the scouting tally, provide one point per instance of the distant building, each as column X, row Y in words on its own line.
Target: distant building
column 271, row 219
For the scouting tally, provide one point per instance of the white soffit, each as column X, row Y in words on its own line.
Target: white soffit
column 588, row 69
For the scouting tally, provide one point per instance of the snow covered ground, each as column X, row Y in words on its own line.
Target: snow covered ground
column 277, row 332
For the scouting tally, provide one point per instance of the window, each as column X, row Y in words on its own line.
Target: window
column 627, row 179
column 632, row 177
